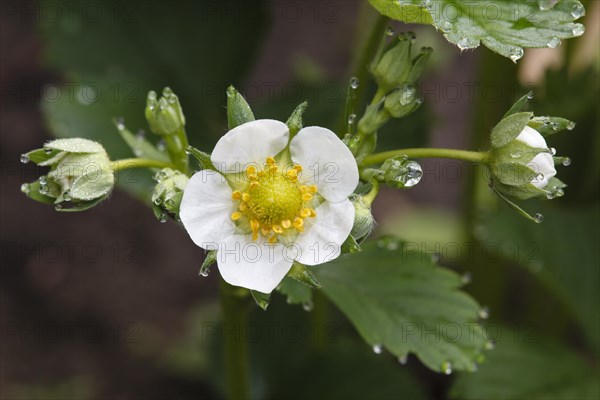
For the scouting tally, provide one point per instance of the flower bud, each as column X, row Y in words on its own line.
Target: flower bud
column 167, row 194
column 402, row 101
column 80, row 174
column 363, row 219
column 164, row 115
column 392, row 66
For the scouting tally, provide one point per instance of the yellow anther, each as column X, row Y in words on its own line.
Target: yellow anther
column 253, row 177
column 305, row 212
column 265, row 230
column 261, row 174
column 254, row 225
column 298, row 222
column 251, row 170
column 277, row 229
column 273, row 168
column 236, row 195
column 304, row 188
column 298, row 168
column 243, row 207
column 273, row 239
column 313, row 213
column 246, row 196
column 292, row 174
column 313, row 188
column 286, row 223
column 270, row 160
column 254, row 184
column 306, row 196
column 236, row 215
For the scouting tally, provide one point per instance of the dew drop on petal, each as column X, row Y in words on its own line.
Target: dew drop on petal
column 204, row 272
column 44, row 190
column 545, row 5
column 516, row 53
column 377, row 349
column 578, row 11
column 578, row 29
column 516, row 155
column 554, row 42
column 354, row 83
column 24, row 158
column 538, row 218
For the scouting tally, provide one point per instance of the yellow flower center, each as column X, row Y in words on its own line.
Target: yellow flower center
column 273, row 202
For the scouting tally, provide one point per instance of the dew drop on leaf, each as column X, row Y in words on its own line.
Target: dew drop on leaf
column 354, row 83
column 578, row 29
column 516, row 53
column 24, row 158
column 403, row 360
column 578, row 11
column 377, row 349
column 25, row 188
column 308, row 306
column 566, row 161
column 538, row 218
column 447, row 367
column 554, row 42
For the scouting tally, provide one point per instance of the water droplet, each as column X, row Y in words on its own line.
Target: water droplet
column 550, row 195
column 554, row 42
column 44, row 190
column 163, row 218
column 578, row 11
column 58, row 207
column 530, row 96
column 161, row 145
column 43, row 181
column 578, row 29
column 566, row 161
column 467, row 43
column 484, row 313
column 555, row 126
column 230, row 91
column 204, row 272
column 308, row 306
column 351, row 119
column 516, row 53
column 169, row 203
column 354, row 83
column 447, row 367
column 25, row 188
column 47, row 151
column 466, row 278
column 413, row 175
column 538, row 218
column 539, row 178
column 409, row 92
column 390, row 31
column 160, row 176
column 140, row 135
column 120, row 123
column 188, row 151
column 516, row 155
column 24, row 158
column 377, row 349
column 552, row 151
column 403, row 360
column 446, row 26
column 157, row 201
column 67, row 197
column 559, row 192
column 571, row 125
column 546, row 4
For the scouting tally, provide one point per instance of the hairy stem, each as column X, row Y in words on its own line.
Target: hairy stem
column 473, row 156
column 129, row 163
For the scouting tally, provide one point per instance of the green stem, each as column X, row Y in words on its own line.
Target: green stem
column 235, row 317
column 129, row 163
column 473, row 156
column 177, row 143
column 369, row 197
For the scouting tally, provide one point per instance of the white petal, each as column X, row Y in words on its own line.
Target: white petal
column 323, row 236
column 543, row 164
column 532, row 138
column 206, row 209
column 254, row 265
column 249, row 143
column 326, row 162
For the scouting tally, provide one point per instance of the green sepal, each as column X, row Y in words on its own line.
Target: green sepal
column 203, row 159
column 238, row 110
column 350, row 246
column 519, row 104
column 75, row 145
column 164, row 115
column 262, row 299
column 523, row 192
column 80, row 206
column 139, row 145
column 34, row 193
column 296, row 292
column 294, row 122
column 509, row 128
column 418, row 64
column 513, row 173
column 515, row 207
column 43, row 157
column 374, row 118
column 90, row 186
column 302, row 274
column 547, row 126
column 394, row 65
column 209, row 260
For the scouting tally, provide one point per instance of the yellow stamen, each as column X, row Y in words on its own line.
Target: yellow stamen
column 236, row 195
column 305, row 212
column 253, row 177
column 246, row 196
column 265, row 230
column 270, row 160
column 254, row 225
column 298, row 222
column 251, row 170
column 298, row 168
column 307, row 196
column 286, row 223
column 292, row 174
column 236, row 215
column 273, row 169
column 313, row 213
column 254, row 184
column 243, row 207
column 273, row 239
column 277, row 229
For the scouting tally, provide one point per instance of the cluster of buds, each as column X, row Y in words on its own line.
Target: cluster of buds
column 80, row 174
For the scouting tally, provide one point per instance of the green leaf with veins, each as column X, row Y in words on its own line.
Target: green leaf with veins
column 505, row 27
column 399, row 299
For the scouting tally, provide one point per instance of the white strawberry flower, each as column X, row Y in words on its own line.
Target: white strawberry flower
column 542, row 163
column 274, row 201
